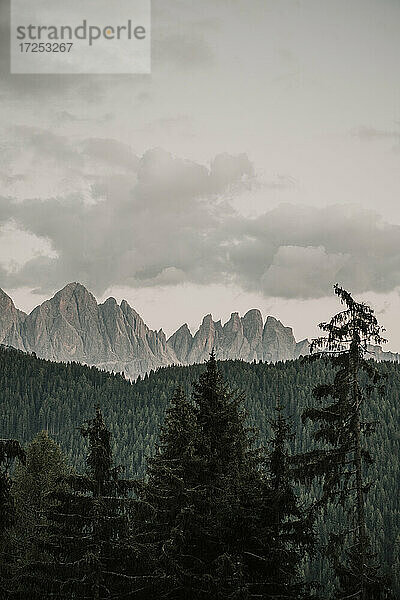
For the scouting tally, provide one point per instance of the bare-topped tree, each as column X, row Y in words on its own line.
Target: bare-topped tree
column 343, row 457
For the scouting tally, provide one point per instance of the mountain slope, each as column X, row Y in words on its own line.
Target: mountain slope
column 72, row 326
column 37, row 394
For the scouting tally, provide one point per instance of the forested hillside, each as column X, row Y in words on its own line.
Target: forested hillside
column 37, row 394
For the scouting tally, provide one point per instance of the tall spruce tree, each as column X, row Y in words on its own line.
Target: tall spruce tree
column 230, row 479
column 197, row 488
column 342, row 457
column 88, row 537
column 167, row 501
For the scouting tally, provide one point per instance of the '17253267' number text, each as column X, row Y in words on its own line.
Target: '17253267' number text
column 45, row 47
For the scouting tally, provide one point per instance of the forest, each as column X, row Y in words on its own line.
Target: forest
column 227, row 480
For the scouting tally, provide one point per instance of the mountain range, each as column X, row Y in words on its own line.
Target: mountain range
column 72, row 326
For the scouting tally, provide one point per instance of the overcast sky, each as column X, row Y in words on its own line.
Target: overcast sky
column 256, row 166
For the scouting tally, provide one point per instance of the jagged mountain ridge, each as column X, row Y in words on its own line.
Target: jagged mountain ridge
column 72, row 326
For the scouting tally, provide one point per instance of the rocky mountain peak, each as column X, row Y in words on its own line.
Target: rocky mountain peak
column 252, row 323
column 7, row 306
column 110, row 302
column 5, row 299
column 302, row 348
column 72, row 326
column 254, row 314
column 134, row 320
column 125, row 306
column 234, row 321
column 75, row 286
column 182, row 332
column 207, row 321
column 11, row 321
column 278, row 341
column 205, row 339
column 273, row 322
column 75, row 291
column 253, row 332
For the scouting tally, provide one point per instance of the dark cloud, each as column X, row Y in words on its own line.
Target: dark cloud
column 158, row 225
column 304, row 272
column 161, row 220
column 308, row 249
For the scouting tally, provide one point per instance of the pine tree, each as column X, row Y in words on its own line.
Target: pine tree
column 197, row 489
column 35, row 481
column 88, row 537
column 342, row 458
column 281, row 532
column 168, row 495
column 33, row 484
column 229, row 476
column 172, row 467
column 289, row 524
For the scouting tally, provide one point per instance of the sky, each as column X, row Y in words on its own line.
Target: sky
column 257, row 165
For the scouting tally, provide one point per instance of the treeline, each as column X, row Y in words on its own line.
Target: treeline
column 221, row 511
column 37, row 395
column 214, row 518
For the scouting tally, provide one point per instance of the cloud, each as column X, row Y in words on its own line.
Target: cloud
column 160, row 220
column 17, row 247
column 304, row 272
column 51, row 164
column 227, row 170
column 307, row 249
column 152, row 221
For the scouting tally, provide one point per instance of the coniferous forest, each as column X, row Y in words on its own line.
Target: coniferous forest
column 226, row 480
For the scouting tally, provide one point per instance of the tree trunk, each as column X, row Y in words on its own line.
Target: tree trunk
column 360, row 535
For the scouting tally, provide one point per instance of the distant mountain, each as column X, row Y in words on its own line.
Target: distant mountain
column 72, row 326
